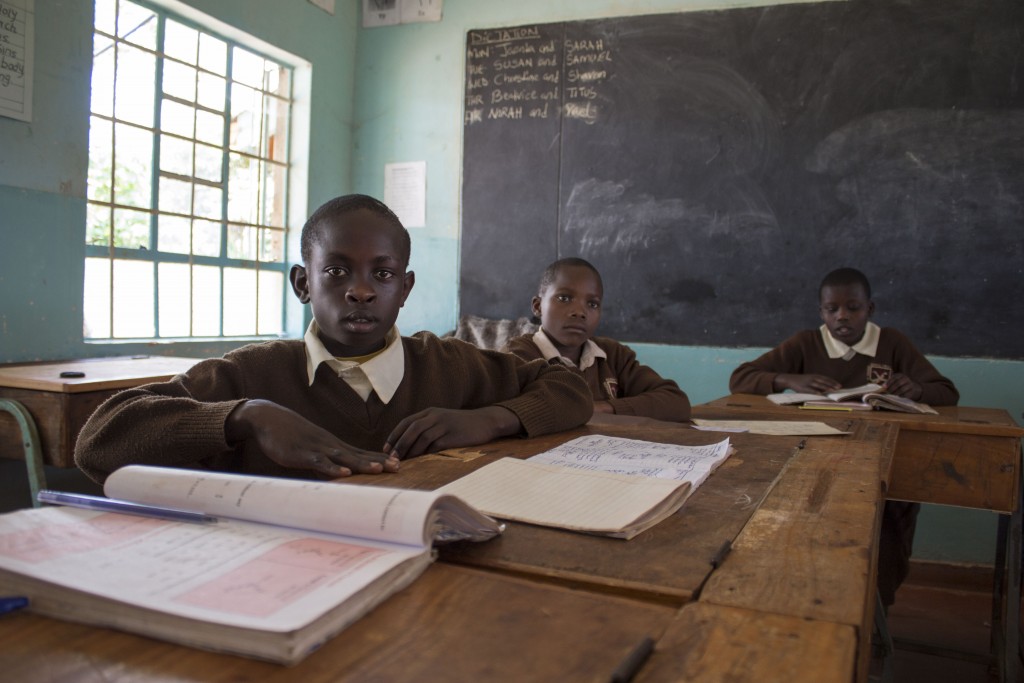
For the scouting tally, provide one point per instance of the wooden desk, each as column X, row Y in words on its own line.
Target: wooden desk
column 966, row 457
column 543, row 604
column 59, row 406
column 452, row 624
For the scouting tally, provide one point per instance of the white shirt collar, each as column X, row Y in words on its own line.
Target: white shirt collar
column 591, row 351
column 384, row 372
column 868, row 344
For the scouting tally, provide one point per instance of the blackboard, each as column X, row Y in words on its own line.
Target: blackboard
column 715, row 165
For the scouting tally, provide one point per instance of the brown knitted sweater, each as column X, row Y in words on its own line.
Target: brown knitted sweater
column 180, row 423
column 804, row 353
column 638, row 389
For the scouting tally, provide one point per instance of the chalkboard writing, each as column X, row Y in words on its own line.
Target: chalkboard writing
column 715, row 165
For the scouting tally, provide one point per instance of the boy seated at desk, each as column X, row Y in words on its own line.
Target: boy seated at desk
column 568, row 303
column 849, row 350
column 352, row 396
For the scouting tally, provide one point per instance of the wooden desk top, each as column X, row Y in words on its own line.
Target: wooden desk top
column 451, row 624
column 100, row 373
column 951, row 419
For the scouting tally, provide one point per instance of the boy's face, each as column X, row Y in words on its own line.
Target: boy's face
column 845, row 310
column 355, row 282
column 570, row 308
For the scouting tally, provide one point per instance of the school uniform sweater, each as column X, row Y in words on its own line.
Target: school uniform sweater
column 804, row 353
column 629, row 386
column 180, row 423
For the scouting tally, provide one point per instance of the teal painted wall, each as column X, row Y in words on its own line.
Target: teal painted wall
column 409, row 82
column 378, row 96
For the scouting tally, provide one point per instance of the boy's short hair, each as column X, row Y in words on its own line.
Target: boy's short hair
column 551, row 272
column 842, row 277
column 346, row 204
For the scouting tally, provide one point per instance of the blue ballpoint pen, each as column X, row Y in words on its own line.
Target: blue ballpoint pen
column 80, row 500
column 10, row 604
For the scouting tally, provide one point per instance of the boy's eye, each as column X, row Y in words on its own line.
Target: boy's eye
column 383, row 274
column 564, row 298
column 594, row 304
column 335, row 271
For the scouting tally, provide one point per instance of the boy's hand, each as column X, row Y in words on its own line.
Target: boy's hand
column 901, row 385
column 806, row 384
column 436, row 429
column 603, row 407
column 291, row 440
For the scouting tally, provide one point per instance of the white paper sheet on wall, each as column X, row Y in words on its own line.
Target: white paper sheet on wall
column 405, row 192
column 17, row 35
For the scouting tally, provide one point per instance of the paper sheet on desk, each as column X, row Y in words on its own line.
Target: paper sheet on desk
column 770, row 427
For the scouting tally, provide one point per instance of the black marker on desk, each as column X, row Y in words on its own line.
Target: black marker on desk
column 79, row 500
column 631, row 665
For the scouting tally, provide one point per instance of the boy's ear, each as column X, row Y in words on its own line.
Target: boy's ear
column 535, row 307
column 300, row 283
column 408, row 280
column 871, row 308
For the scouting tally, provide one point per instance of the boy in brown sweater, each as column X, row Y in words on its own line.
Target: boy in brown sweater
column 568, row 303
column 847, row 351
column 352, row 396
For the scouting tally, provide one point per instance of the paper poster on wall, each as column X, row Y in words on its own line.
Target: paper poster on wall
column 420, row 10
column 405, row 192
column 381, row 13
column 17, row 29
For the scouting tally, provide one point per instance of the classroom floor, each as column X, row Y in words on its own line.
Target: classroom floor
column 942, row 616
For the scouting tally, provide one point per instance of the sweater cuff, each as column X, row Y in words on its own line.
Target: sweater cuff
column 205, row 427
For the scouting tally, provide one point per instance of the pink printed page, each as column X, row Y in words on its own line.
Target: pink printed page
column 278, row 578
column 40, row 544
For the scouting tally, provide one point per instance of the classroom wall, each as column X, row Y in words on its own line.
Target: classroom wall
column 409, row 85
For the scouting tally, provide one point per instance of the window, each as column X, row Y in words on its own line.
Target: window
column 188, row 174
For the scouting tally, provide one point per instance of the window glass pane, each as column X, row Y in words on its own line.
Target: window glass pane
column 137, row 25
column 273, row 195
column 131, row 229
column 205, row 238
column 105, row 17
column 276, row 128
column 177, row 118
column 209, row 162
column 181, row 42
column 210, row 127
column 211, row 91
column 102, row 83
column 239, row 301
column 176, row 155
column 136, row 71
column 277, row 80
column 97, row 229
column 174, row 287
column 271, row 304
column 213, row 54
column 207, row 202
column 96, row 307
column 242, row 242
column 180, row 81
column 174, row 236
column 133, row 299
column 247, row 68
column 205, row 301
column 271, row 245
column 175, row 196
column 101, row 142
column 243, row 188
column 245, row 119
column 133, row 152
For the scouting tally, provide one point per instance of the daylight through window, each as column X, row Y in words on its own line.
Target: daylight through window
column 188, row 174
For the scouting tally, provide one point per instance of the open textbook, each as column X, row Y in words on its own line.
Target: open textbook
column 287, row 564
column 596, row 484
column 865, row 397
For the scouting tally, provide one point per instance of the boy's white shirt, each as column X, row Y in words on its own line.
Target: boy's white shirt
column 382, row 373
column 591, row 351
column 868, row 344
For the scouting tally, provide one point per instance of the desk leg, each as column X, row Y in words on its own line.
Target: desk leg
column 1013, row 582
column 30, row 442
